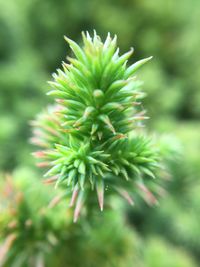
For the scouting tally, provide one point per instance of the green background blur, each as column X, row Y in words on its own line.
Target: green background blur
column 32, row 48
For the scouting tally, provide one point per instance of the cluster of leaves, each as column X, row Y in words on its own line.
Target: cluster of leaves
column 36, row 230
column 29, row 232
column 178, row 213
column 86, row 136
column 153, row 27
column 34, row 233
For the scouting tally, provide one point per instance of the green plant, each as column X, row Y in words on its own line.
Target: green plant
column 37, row 232
column 91, row 138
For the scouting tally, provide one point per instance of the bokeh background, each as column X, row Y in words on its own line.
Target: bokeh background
column 32, row 47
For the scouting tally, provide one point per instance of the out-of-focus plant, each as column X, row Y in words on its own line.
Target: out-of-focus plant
column 36, row 230
column 178, row 213
column 29, row 228
column 157, row 251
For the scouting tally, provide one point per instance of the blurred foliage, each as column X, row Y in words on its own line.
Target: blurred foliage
column 177, row 216
column 32, row 47
column 34, row 233
column 159, row 253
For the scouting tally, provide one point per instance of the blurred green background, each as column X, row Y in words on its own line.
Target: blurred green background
column 32, row 47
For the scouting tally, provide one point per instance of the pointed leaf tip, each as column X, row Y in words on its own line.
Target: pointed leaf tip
column 100, row 193
column 79, row 205
column 82, row 168
column 67, row 39
column 54, row 201
column 76, row 49
column 82, row 181
column 74, row 196
column 134, row 67
column 107, row 121
column 125, row 195
column 148, row 195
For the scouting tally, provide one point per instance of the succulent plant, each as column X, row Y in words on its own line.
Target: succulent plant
column 90, row 138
